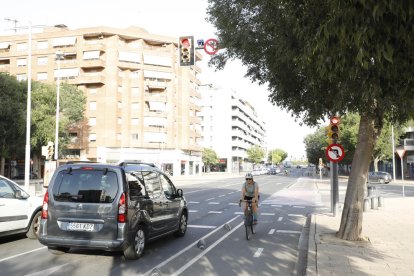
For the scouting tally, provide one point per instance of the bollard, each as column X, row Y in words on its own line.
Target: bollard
column 374, row 203
column 366, row 204
column 380, row 201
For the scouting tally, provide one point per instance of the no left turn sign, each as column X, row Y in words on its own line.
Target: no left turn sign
column 335, row 152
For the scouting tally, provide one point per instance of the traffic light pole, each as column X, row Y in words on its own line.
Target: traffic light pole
column 334, row 188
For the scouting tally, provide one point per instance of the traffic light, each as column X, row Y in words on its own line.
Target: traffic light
column 50, row 151
column 333, row 130
column 186, row 50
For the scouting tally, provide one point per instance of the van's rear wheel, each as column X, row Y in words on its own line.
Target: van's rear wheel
column 136, row 247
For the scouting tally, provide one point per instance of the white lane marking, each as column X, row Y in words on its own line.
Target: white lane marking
column 238, row 213
column 258, row 252
column 195, row 191
column 192, row 245
column 193, row 211
column 214, row 203
column 205, row 251
column 272, row 231
column 21, row 254
column 275, row 205
column 221, row 195
column 193, row 202
column 210, row 199
column 288, row 232
column 215, row 212
column 230, row 193
column 296, row 215
column 202, row 226
column 267, row 214
column 233, row 203
column 296, row 206
column 46, row 271
column 280, row 219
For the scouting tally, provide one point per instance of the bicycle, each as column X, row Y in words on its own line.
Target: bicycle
column 248, row 219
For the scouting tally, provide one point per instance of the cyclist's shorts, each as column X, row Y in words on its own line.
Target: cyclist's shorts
column 248, row 198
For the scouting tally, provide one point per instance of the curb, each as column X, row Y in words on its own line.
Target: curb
column 312, row 266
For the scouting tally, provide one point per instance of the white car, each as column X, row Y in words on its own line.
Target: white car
column 19, row 212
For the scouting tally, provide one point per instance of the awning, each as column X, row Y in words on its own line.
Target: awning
column 157, row 74
column 157, row 60
column 129, row 57
column 155, row 121
column 157, row 106
column 91, row 54
column 67, row 72
column 4, row 45
column 64, row 41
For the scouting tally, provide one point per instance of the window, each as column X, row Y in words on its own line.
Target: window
column 135, row 106
column 134, row 136
column 152, row 184
column 88, row 55
column 134, row 74
column 135, row 90
column 92, row 137
column 92, row 121
column 167, row 187
column 92, row 105
column 42, row 61
column 21, row 46
column 120, row 120
column 42, row 45
column 21, row 62
column 41, row 76
column 21, row 77
column 119, row 104
column 90, row 186
column 92, row 90
column 134, row 121
column 119, row 136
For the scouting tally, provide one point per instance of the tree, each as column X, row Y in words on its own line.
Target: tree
column 12, row 117
column 276, row 156
column 315, row 146
column 255, row 154
column 323, row 58
column 72, row 106
column 209, row 158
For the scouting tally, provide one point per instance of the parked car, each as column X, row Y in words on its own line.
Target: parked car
column 381, row 177
column 19, row 212
column 110, row 207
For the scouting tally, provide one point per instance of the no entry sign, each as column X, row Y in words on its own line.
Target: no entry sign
column 335, row 152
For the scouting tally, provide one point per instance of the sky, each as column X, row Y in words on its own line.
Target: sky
column 169, row 18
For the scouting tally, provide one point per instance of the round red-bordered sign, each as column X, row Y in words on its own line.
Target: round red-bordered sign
column 211, row 46
column 335, row 152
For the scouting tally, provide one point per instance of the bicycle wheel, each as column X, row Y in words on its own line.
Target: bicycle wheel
column 247, row 225
column 247, row 232
column 253, row 228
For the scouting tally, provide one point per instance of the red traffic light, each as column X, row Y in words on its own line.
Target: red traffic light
column 185, row 42
column 335, row 120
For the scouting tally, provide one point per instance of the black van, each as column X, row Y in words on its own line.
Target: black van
column 110, row 207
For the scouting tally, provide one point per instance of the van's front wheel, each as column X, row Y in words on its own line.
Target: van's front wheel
column 136, row 247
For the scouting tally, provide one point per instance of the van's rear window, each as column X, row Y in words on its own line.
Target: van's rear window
column 91, row 186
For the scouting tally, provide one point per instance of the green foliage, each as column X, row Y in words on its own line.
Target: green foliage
column 209, row 157
column 320, row 58
column 72, row 106
column 276, row 156
column 255, row 154
column 13, row 95
column 315, row 145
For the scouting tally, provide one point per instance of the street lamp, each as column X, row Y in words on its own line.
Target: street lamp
column 59, row 57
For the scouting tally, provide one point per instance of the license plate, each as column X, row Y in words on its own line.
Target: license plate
column 76, row 226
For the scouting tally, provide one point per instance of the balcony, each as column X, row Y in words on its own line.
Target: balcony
column 93, row 63
column 90, row 78
column 153, row 84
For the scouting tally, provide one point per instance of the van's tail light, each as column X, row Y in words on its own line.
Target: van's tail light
column 122, row 208
column 45, row 205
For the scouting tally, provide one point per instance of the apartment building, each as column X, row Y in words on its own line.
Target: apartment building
column 141, row 105
column 230, row 126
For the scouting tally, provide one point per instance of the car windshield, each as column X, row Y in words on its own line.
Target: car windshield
column 91, row 186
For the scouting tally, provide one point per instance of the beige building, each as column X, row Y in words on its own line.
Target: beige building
column 141, row 105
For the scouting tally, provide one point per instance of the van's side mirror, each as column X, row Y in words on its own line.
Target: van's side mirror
column 179, row 193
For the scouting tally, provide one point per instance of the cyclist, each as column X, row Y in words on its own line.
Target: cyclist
column 250, row 191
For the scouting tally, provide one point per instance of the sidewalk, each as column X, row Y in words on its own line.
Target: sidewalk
column 389, row 250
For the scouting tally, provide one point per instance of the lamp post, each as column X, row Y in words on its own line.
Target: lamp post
column 59, row 57
column 28, row 113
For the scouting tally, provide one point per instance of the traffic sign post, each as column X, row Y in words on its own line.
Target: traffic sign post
column 335, row 153
column 401, row 153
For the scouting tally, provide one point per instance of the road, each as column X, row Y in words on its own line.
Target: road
column 278, row 247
